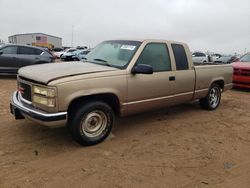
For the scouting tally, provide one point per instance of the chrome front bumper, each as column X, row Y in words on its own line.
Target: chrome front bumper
column 20, row 111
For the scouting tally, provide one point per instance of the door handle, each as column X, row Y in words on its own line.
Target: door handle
column 171, row 78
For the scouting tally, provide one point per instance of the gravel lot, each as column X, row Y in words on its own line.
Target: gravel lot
column 181, row 146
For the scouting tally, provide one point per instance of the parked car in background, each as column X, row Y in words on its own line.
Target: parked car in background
column 227, row 59
column 67, row 54
column 75, row 55
column 13, row 56
column 199, row 57
column 241, row 76
column 80, row 54
column 81, row 47
column 57, row 52
column 215, row 56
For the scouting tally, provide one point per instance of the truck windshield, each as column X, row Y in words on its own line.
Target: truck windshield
column 115, row 53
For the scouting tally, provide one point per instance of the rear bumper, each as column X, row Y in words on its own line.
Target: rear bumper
column 20, row 111
column 241, row 81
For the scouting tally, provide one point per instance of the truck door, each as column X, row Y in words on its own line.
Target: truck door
column 149, row 91
column 184, row 74
column 28, row 55
column 8, row 59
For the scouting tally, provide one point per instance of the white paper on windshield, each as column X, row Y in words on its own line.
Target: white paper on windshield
column 127, row 47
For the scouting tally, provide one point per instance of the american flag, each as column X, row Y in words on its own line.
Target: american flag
column 41, row 39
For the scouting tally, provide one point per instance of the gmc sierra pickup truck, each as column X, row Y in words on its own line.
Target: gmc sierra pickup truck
column 118, row 78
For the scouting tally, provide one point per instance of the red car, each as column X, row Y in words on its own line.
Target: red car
column 241, row 77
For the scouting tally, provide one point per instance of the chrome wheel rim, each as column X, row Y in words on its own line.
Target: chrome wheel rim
column 214, row 97
column 94, row 123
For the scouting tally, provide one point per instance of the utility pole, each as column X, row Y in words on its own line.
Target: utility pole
column 72, row 36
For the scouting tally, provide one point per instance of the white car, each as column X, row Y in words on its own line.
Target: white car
column 199, row 57
column 58, row 54
column 215, row 56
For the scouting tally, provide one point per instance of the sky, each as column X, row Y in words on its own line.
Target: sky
column 221, row 26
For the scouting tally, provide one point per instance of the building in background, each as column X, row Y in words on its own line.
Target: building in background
column 37, row 39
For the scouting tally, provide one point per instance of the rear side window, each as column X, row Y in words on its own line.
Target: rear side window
column 198, row 54
column 46, row 53
column 9, row 50
column 194, row 54
column 180, row 57
column 29, row 51
column 157, row 56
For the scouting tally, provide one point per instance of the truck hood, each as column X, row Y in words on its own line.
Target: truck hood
column 46, row 73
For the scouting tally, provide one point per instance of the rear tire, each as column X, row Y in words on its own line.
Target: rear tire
column 213, row 98
column 91, row 123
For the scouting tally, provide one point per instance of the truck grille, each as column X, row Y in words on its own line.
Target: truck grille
column 241, row 72
column 25, row 91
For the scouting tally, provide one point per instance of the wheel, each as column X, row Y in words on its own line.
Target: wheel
column 212, row 100
column 91, row 123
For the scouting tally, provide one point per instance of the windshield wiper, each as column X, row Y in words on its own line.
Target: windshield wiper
column 102, row 60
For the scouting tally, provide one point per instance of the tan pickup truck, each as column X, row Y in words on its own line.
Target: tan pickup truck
column 118, row 78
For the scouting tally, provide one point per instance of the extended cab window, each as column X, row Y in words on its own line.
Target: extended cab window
column 180, row 57
column 29, row 51
column 157, row 56
column 9, row 50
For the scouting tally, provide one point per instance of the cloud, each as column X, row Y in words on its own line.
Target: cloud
column 219, row 26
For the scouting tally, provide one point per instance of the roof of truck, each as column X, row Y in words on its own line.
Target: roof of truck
column 142, row 40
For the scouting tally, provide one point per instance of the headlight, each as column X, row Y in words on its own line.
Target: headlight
column 44, row 96
column 50, row 102
column 47, row 92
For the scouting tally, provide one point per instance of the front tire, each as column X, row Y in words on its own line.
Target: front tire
column 213, row 98
column 91, row 123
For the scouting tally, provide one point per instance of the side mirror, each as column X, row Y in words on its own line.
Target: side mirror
column 142, row 69
column 1, row 53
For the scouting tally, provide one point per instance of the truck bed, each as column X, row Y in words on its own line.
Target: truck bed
column 207, row 73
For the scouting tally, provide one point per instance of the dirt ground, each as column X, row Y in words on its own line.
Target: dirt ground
column 181, row 146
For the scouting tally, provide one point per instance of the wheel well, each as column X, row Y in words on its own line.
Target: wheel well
column 111, row 99
column 220, row 83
